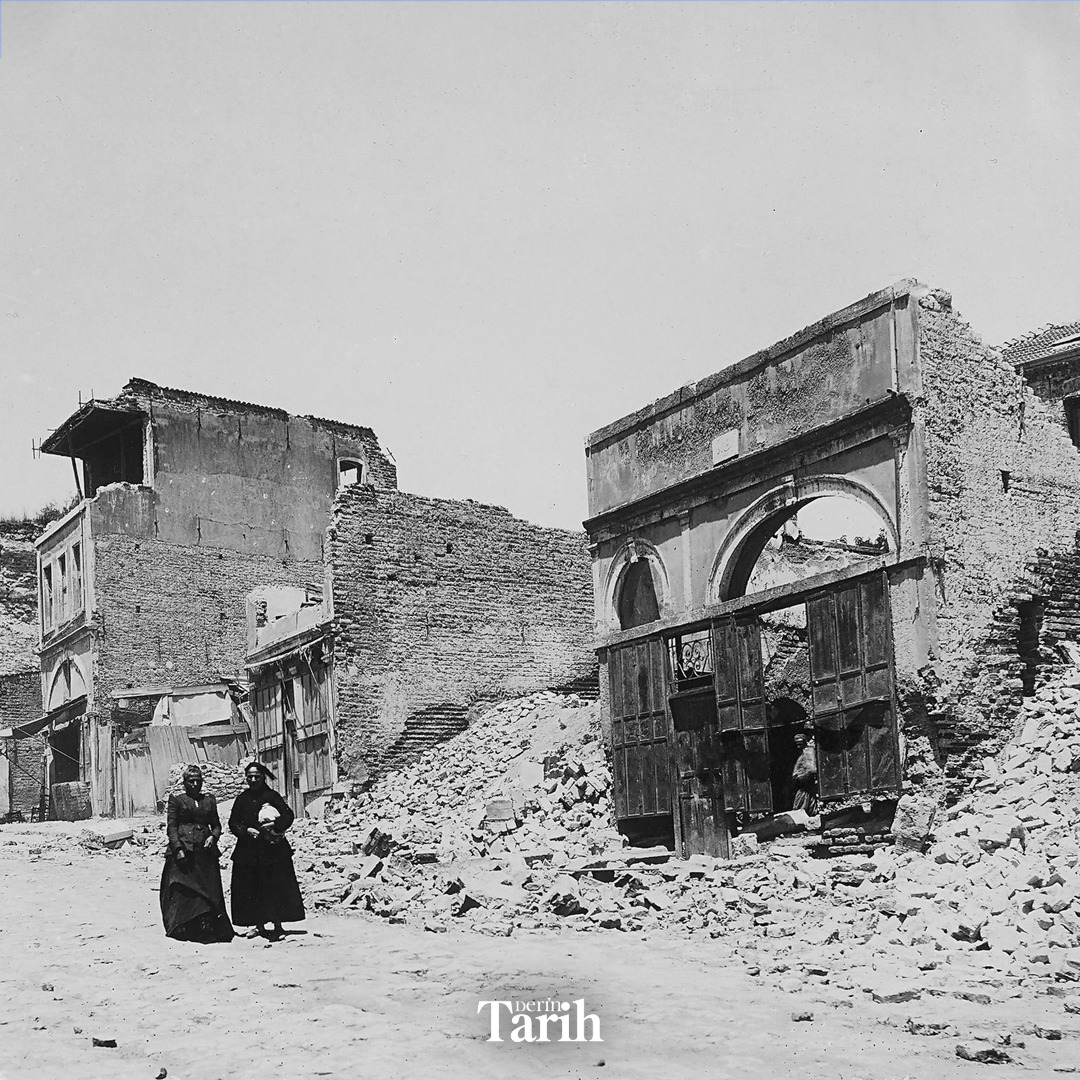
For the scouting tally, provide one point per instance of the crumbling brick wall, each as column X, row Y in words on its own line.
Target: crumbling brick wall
column 1003, row 482
column 167, row 613
column 439, row 604
column 20, row 702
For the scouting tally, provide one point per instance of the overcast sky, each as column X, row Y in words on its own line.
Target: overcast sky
column 487, row 229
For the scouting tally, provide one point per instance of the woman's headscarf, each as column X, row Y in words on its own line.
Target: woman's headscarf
column 267, row 774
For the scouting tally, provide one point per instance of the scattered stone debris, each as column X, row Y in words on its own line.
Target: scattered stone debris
column 508, row 828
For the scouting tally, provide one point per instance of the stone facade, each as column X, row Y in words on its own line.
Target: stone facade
column 440, row 604
column 968, row 455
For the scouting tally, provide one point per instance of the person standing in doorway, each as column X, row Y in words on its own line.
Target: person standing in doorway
column 804, row 781
column 265, row 892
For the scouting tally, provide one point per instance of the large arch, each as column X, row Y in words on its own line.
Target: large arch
column 734, row 561
column 631, row 552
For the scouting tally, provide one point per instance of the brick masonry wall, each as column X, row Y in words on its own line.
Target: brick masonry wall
column 166, row 613
column 993, row 538
column 439, row 604
column 18, row 597
column 20, row 701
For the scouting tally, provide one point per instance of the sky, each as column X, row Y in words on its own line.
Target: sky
column 487, row 229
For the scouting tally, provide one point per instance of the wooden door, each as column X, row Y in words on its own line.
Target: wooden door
column 269, row 730
column 740, row 703
column 314, row 757
column 641, row 762
column 855, row 728
column 701, row 823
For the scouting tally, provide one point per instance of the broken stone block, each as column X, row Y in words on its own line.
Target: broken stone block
column 743, row 845
column 912, row 822
column 921, row 1027
column 1002, row 936
column 893, row 992
column 564, row 898
column 985, row 1055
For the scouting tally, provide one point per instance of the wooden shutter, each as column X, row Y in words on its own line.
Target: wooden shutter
column 740, row 707
column 641, row 761
column 851, row 679
column 312, row 710
column 269, row 719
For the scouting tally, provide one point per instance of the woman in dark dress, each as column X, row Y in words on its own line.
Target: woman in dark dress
column 192, row 901
column 264, row 887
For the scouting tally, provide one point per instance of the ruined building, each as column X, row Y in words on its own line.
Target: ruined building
column 906, row 664
column 430, row 606
column 190, row 503
column 223, row 546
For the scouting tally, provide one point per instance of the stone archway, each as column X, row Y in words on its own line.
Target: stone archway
column 735, row 559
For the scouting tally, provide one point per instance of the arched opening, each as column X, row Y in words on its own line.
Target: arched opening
column 67, row 684
column 802, row 539
column 637, row 603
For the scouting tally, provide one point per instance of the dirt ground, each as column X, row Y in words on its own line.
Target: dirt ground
column 83, row 956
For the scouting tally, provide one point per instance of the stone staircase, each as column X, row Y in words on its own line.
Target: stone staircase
column 437, row 723
column 423, row 730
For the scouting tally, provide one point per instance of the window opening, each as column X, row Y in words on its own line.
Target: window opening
column 62, row 598
column 1072, row 419
column 47, row 596
column 1031, row 619
column 829, row 533
column 288, row 699
column 349, row 473
column 690, row 660
column 76, row 577
column 637, row 596
column 117, row 458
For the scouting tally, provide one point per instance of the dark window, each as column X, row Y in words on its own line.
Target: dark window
column 637, row 596
column 1072, row 417
column 350, row 472
column 118, row 458
column 1031, row 619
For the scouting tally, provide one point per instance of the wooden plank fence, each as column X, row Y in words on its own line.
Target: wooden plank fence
column 141, row 779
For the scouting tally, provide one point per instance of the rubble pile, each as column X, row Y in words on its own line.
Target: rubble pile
column 220, row 780
column 526, row 783
column 472, row 837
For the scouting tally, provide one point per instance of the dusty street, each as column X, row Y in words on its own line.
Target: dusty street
column 83, row 956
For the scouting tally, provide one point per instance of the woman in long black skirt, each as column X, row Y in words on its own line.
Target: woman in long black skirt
column 265, row 892
column 192, row 901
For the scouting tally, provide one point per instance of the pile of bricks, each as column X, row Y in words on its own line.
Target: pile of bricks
column 493, row 833
column 525, row 783
column 855, row 840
